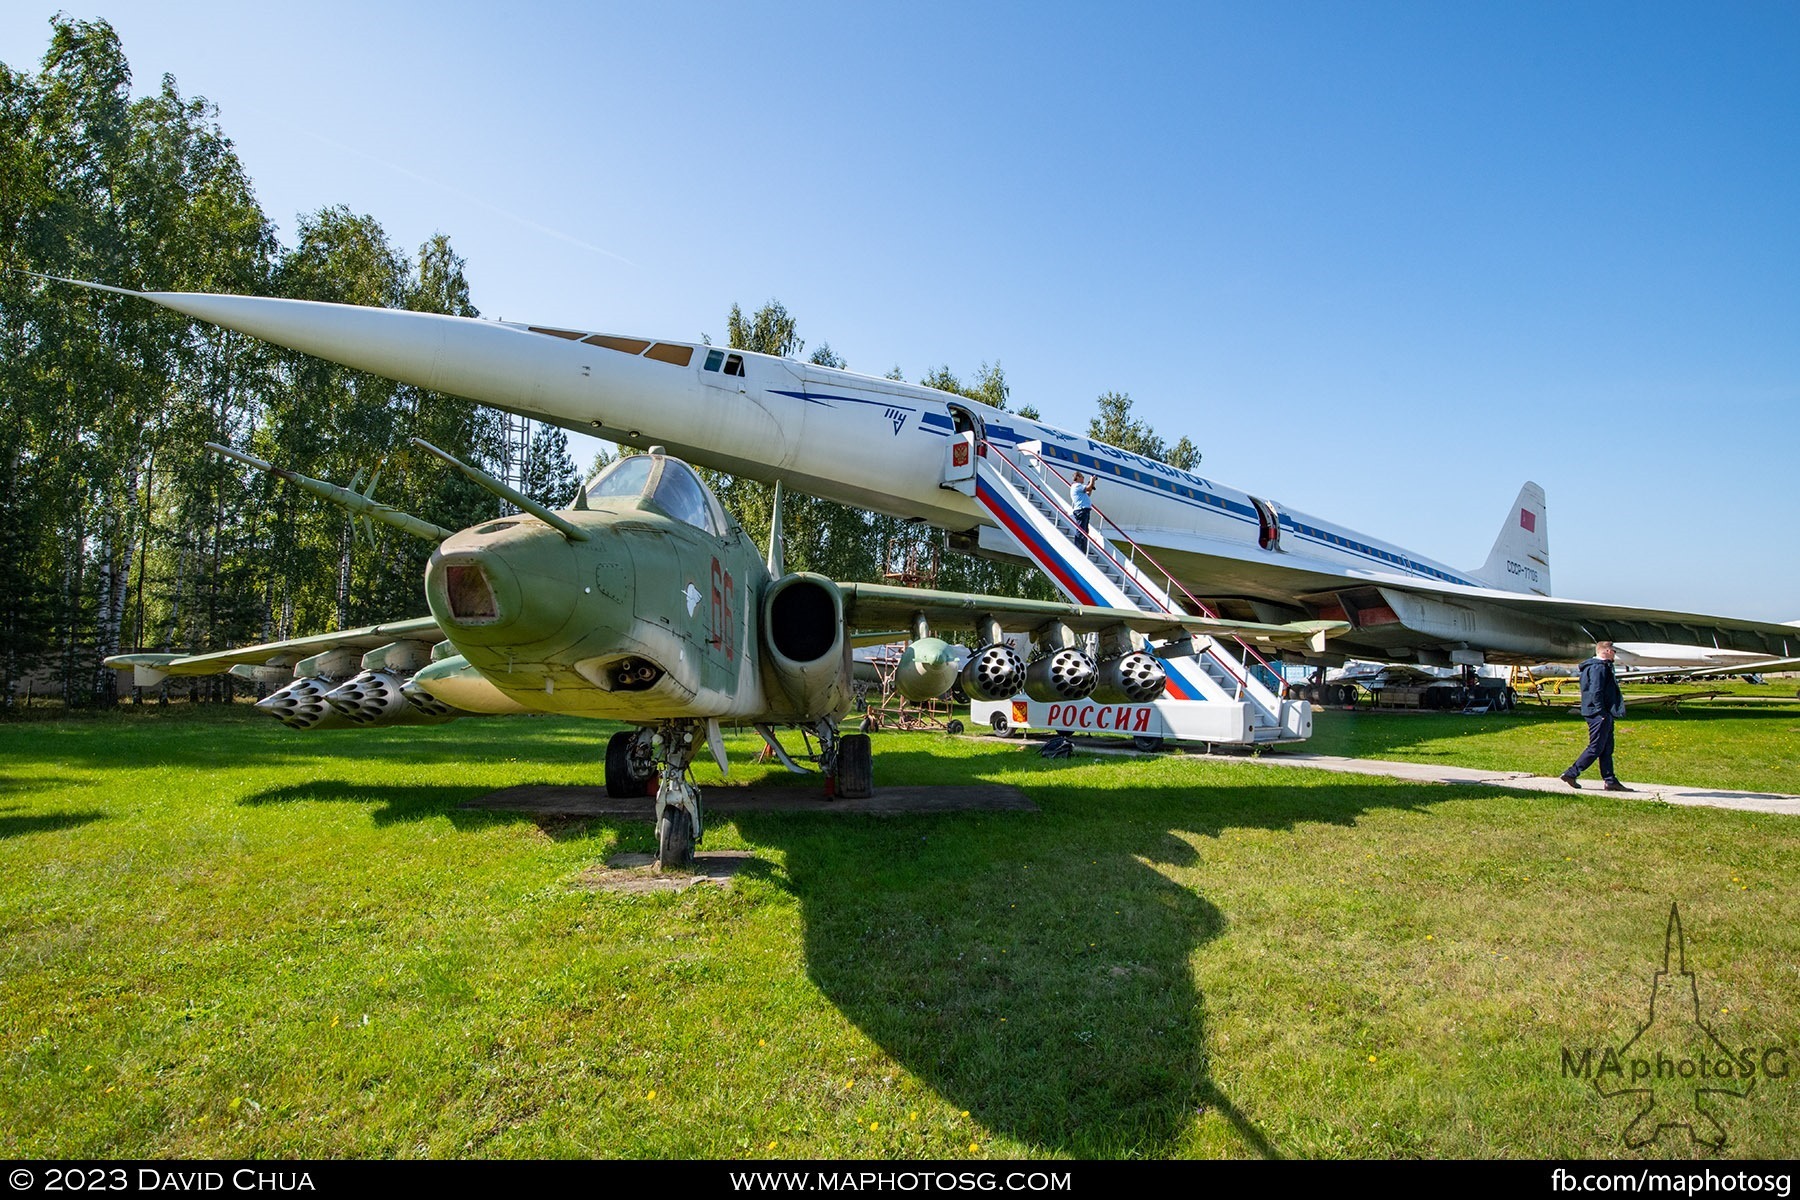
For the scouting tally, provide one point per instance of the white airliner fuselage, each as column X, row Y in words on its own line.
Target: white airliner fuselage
column 881, row 444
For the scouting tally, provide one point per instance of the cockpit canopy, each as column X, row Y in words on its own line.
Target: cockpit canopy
column 668, row 483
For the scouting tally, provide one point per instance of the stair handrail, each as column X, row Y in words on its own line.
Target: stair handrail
column 1041, row 490
column 1128, row 573
column 1106, row 549
column 1137, row 548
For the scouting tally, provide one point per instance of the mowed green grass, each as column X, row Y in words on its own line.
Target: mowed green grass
column 219, row 938
column 1747, row 739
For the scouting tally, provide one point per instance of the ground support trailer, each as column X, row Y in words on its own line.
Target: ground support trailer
column 1148, row 725
column 1218, row 690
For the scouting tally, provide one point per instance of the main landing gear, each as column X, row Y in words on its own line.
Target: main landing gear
column 630, row 764
column 846, row 761
column 849, row 767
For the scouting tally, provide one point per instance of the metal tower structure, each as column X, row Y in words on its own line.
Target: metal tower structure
column 515, row 450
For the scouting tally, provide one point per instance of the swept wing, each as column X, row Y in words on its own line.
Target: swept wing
column 284, row 653
column 884, row 606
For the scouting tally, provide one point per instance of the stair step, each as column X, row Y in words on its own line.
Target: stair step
column 1220, row 668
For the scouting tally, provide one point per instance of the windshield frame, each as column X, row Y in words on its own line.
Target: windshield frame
column 660, row 469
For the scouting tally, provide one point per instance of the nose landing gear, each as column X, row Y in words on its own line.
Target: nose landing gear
column 680, row 821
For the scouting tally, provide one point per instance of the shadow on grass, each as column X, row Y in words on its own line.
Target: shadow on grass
column 391, row 805
column 15, row 786
column 237, row 736
column 13, row 824
column 1052, row 998
column 1036, row 969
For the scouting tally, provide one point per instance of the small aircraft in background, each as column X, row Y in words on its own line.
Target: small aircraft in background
column 1397, row 685
column 646, row 603
column 1663, row 661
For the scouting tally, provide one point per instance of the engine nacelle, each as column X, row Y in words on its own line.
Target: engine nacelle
column 994, row 672
column 1135, row 678
column 301, row 705
column 380, row 698
column 806, row 657
column 1064, row 674
column 927, row 669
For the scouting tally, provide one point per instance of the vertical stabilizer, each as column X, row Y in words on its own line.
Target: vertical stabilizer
column 1520, row 559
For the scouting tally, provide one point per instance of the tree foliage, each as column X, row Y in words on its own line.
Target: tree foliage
column 769, row 331
column 988, row 387
column 119, row 532
column 1114, row 425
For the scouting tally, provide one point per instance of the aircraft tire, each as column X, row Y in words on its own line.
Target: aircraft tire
column 622, row 780
column 1001, row 726
column 674, row 840
column 953, row 727
column 1148, row 745
column 855, row 767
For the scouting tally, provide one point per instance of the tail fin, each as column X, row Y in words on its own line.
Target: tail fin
column 1520, row 559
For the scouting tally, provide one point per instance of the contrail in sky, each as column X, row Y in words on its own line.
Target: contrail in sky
column 455, row 191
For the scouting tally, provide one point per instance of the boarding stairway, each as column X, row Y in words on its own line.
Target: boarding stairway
column 1026, row 496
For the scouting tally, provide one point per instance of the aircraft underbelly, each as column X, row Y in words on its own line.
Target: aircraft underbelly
column 1208, row 575
column 1411, row 620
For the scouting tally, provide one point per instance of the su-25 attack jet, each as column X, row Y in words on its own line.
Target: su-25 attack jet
column 886, row 445
column 646, row 603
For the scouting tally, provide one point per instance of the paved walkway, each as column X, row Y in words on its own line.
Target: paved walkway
column 1773, row 802
column 1525, row 781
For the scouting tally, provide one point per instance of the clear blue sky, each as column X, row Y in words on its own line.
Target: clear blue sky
column 1381, row 261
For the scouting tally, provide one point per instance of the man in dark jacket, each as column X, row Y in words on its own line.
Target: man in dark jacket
column 1602, row 703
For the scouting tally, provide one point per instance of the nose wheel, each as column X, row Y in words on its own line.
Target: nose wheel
column 674, row 840
column 680, row 820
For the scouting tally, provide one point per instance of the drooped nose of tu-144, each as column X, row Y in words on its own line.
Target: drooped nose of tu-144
column 510, row 582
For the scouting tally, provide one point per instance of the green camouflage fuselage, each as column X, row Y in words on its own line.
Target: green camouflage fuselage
column 648, row 618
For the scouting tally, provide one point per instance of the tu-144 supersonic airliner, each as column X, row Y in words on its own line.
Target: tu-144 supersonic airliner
column 883, row 445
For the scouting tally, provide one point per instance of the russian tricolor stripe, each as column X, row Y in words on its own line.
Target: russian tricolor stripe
column 1066, row 573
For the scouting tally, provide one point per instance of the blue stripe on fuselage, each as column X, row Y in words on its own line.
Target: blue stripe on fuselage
column 827, row 400
column 1192, row 491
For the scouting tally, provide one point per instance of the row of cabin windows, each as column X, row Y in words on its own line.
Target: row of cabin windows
column 1384, row 555
column 733, row 363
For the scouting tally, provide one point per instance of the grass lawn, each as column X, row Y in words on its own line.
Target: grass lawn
column 1747, row 739
column 219, row 937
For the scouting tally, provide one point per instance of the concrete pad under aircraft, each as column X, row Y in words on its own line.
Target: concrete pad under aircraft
column 579, row 802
